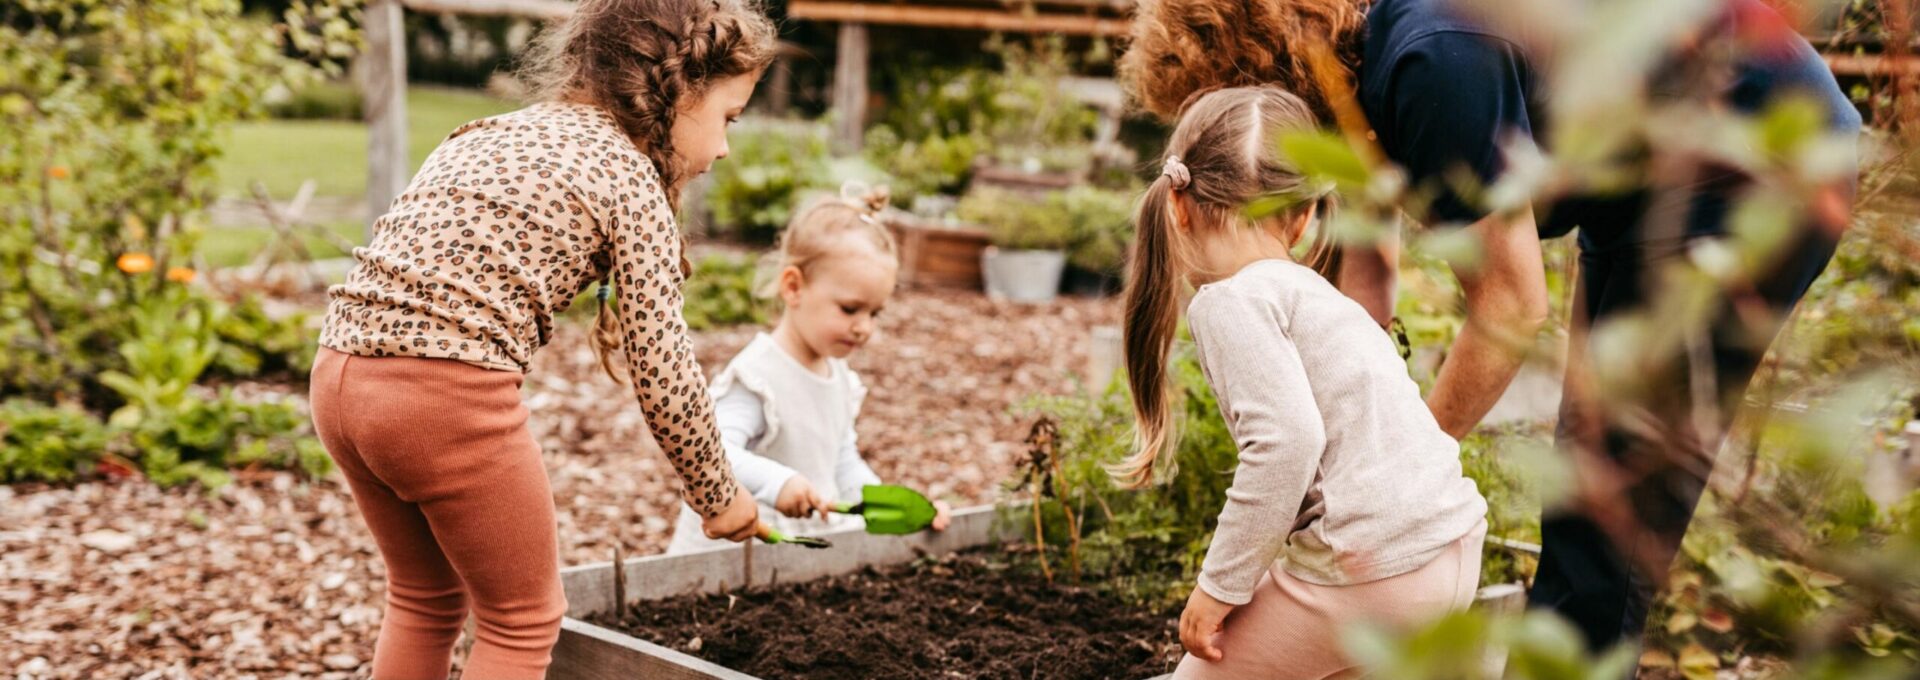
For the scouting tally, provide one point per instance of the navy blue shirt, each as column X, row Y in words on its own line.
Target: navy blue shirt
column 1442, row 93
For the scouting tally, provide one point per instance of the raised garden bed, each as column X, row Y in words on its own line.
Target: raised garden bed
column 962, row 615
column 1018, row 179
column 927, row 605
column 942, row 610
column 938, row 255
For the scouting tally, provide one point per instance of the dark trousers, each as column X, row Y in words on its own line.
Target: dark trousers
column 1603, row 587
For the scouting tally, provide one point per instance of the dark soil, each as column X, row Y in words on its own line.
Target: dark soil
column 961, row 616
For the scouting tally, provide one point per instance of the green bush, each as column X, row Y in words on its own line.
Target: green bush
column 1094, row 225
column 254, row 343
column 114, row 109
column 933, row 164
column 47, row 443
column 1018, row 221
column 772, row 162
column 165, row 427
column 1102, row 223
column 196, row 440
column 1738, row 588
column 1032, row 115
column 1145, row 545
column 1497, row 459
column 944, row 119
column 175, row 434
column 326, row 100
column 721, row 293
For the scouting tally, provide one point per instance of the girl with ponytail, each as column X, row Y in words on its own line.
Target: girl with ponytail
column 416, row 392
column 1348, row 503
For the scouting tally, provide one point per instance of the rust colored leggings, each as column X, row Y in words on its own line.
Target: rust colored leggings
column 451, row 484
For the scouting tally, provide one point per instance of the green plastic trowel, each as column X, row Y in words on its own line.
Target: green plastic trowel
column 890, row 509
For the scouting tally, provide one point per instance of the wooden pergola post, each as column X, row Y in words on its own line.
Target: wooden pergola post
column 850, row 87
column 385, row 101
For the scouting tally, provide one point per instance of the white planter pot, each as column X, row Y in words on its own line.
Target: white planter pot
column 1023, row 275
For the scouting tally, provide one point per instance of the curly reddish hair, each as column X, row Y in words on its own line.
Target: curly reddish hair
column 1180, row 48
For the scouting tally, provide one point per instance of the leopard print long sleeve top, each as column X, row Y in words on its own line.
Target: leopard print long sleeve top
column 508, row 221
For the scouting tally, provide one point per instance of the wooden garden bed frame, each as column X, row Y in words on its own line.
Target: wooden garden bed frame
column 591, row 652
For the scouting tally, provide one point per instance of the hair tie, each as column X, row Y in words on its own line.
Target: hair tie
column 866, row 199
column 1176, row 173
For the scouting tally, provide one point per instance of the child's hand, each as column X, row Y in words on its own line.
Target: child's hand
column 1202, row 619
column 942, row 515
column 798, row 498
column 737, row 522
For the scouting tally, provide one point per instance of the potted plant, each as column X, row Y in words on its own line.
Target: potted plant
column 1102, row 222
column 1030, row 238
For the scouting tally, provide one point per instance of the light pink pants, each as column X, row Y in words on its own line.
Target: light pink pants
column 1291, row 629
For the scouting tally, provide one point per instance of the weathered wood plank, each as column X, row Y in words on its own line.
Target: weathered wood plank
column 981, row 19
column 850, row 87
column 589, row 652
column 384, row 90
column 549, row 10
column 589, row 587
column 1871, row 64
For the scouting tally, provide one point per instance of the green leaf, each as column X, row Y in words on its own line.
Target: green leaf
column 1790, row 123
column 1325, row 157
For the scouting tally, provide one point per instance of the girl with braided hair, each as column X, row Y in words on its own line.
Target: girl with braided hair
column 416, row 392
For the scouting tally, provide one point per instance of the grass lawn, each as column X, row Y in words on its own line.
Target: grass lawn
column 284, row 153
column 234, row 246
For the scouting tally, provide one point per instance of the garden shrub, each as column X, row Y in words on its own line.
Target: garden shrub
column 759, row 185
column 39, row 442
column 1017, row 220
column 114, row 110
column 325, row 100
column 1102, row 222
column 721, row 293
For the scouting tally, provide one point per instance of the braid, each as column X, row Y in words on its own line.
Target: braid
column 642, row 61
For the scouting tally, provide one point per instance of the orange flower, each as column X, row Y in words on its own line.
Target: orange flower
column 57, row 172
column 136, row 263
column 180, row 275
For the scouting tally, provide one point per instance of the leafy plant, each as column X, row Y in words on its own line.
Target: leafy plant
column 1034, row 117
column 1018, row 221
column 1144, row 545
column 113, row 110
column 1497, row 460
column 1102, row 223
column 254, row 342
column 933, row 164
column 47, row 443
column 756, row 189
column 178, row 435
column 944, row 119
column 1537, row 646
column 721, row 293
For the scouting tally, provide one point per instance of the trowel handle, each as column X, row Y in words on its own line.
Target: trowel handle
column 769, row 534
column 772, row 535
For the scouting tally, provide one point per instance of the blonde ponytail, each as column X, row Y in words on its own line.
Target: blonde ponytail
column 1152, row 317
